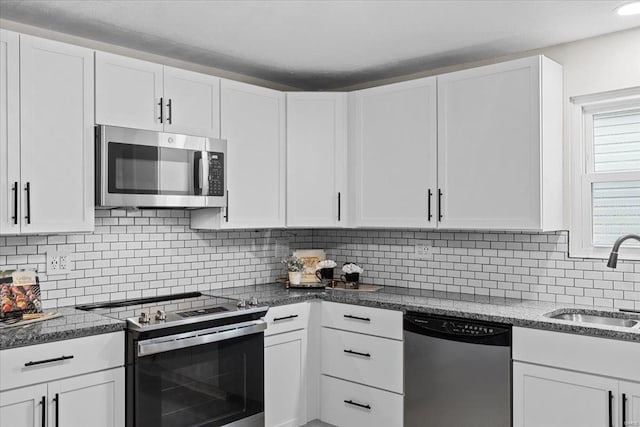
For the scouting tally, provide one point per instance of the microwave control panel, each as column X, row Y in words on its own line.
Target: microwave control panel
column 216, row 174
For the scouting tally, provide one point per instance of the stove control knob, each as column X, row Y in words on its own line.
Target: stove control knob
column 241, row 303
column 144, row 318
column 253, row 301
column 161, row 315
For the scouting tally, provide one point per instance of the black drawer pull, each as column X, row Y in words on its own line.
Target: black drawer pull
column 610, row 408
column 359, row 405
column 277, row 319
column 439, row 204
column 161, row 109
column 364, row 319
column 27, row 188
column 357, row 353
column 43, row 402
column 57, row 400
column 429, row 194
column 15, row 202
column 40, row 362
column 624, row 410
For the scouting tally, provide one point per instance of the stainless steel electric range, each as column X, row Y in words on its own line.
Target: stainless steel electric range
column 191, row 360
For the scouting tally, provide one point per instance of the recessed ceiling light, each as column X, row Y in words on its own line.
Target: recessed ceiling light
column 632, row 8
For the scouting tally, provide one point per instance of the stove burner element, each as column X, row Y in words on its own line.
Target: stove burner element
column 201, row 311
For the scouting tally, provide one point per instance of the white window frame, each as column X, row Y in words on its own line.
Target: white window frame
column 583, row 175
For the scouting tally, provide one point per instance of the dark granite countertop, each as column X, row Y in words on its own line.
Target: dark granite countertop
column 72, row 324
column 523, row 313
column 529, row 314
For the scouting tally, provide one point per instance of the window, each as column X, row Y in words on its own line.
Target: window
column 606, row 173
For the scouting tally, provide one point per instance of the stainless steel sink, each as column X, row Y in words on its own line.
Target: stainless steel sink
column 600, row 318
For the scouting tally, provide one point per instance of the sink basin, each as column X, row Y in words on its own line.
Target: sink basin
column 589, row 316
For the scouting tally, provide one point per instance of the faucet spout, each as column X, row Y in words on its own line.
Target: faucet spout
column 613, row 257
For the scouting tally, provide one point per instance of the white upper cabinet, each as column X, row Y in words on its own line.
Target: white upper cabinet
column 500, row 146
column 193, row 103
column 10, row 181
column 393, row 155
column 56, row 137
column 128, row 92
column 316, row 159
column 253, row 123
column 143, row 95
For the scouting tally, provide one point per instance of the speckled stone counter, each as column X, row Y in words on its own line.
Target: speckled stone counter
column 72, row 324
column 528, row 314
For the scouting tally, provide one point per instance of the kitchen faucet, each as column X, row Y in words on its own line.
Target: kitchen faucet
column 613, row 257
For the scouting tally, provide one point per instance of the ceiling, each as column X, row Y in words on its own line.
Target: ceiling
column 318, row 44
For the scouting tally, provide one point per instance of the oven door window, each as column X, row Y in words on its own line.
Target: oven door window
column 207, row 385
column 144, row 169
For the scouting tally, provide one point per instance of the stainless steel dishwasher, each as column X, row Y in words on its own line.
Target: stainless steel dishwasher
column 457, row 372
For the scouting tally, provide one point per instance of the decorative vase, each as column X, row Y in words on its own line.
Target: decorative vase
column 352, row 277
column 295, row 277
column 325, row 274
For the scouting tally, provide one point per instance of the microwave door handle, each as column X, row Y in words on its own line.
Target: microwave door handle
column 204, row 173
column 197, row 173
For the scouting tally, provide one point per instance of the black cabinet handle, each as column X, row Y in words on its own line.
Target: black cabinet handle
column 277, row 319
column 624, row 410
column 27, row 188
column 338, row 206
column 226, row 209
column 364, row 319
column 357, row 353
column 161, row 104
column 57, row 400
column 439, row 204
column 610, row 408
column 359, row 405
column 429, row 194
column 43, row 402
column 15, row 202
column 169, row 114
column 40, row 362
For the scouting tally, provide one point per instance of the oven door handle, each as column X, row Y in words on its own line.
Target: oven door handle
column 204, row 336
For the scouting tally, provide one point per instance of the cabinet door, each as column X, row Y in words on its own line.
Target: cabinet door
column 316, row 159
column 393, row 158
column 128, row 92
column 252, row 122
column 547, row 397
column 630, row 392
column 489, row 146
column 285, row 394
column 24, row 407
column 9, row 133
column 95, row 400
column 57, row 136
column 192, row 102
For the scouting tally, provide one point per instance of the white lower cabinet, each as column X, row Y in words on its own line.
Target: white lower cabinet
column 569, row 380
column 347, row 404
column 286, row 370
column 72, row 383
column 548, row 397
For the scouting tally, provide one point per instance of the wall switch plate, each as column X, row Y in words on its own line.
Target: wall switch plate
column 423, row 251
column 58, row 262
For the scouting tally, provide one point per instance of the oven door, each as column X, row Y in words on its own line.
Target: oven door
column 142, row 168
column 208, row 378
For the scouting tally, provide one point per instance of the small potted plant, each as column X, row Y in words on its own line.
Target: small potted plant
column 295, row 266
column 351, row 272
column 324, row 269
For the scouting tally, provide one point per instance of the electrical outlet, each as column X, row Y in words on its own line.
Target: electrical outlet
column 58, row 262
column 282, row 248
column 423, row 251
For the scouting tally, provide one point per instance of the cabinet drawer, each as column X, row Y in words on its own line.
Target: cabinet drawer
column 365, row 320
column 341, row 399
column 286, row 318
column 364, row 359
column 44, row 362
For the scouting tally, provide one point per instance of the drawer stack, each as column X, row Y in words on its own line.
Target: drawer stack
column 361, row 365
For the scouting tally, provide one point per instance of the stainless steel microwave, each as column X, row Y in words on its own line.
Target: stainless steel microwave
column 140, row 168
